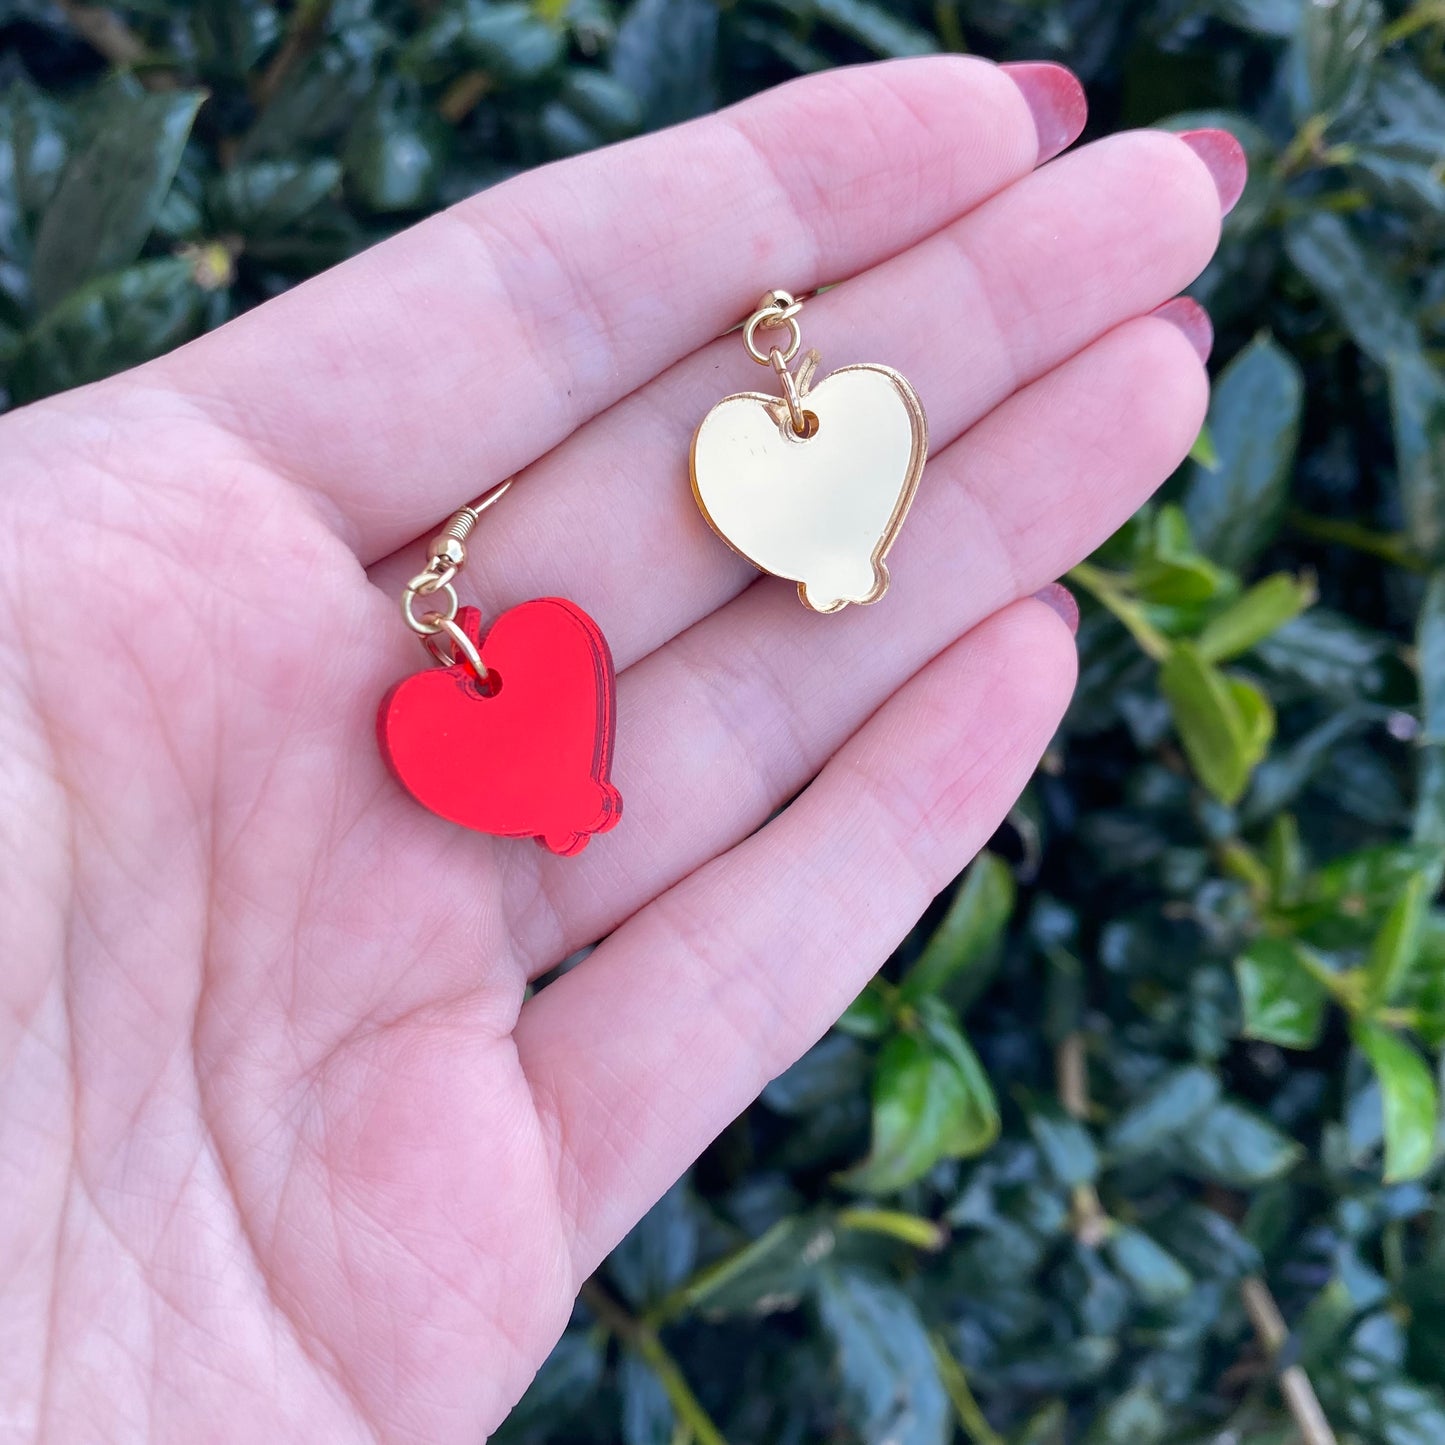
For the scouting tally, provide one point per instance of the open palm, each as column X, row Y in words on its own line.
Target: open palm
column 286, row 1150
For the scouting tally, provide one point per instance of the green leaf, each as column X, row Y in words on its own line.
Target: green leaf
column 1169, row 570
column 600, row 104
column 116, row 321
column 1277, row 19
column 1347, row 899
column 1410, row 1100
column 1224, row 723
column 111, row 188
column 887, row 1373
column 1394, row 151
column 666, row 55
column 833, row 1067
column 266, row 198
column 1207, row 1244
column 508, row 39
column 1156, row 1278
column 1136, row 1417
column 318, row 98
column 1282, row 1000
column 10, row 341
column 230, row 36
column 1430, row 648
column 1350, row 280
column 1428, row 825
column 1331, row 654
column 1330, row 61
column 1067, row 1146
column 1417, row 409
column 395, row 153
column 34, row 144
column 1397, row 945
column 1402, row 1412
column 659, row 1252
column 1163, row 1112
column 565, row 1384
column 931, row 1101
column 1180, row 581
column 869, row 1016
column 1047, row 1426
column 1235, row 507
column 771, row 1273
column 1231, row 1145
column 970, row 930
column 875, row 27
column 1204, row 451
column 1285, row 858
column 1262, row 611
column 1424, row 991
column 1282, row 778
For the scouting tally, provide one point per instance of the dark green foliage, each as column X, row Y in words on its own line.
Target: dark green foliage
column 1180, row 1027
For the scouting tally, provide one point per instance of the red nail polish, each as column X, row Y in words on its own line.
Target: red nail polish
column 1227, row 163
column 1056, row 99
column 1193, row 320
column 1057, row 598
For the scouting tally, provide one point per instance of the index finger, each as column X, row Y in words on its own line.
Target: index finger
column 405, row 381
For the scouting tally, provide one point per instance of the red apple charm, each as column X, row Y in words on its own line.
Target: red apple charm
column 526, row 756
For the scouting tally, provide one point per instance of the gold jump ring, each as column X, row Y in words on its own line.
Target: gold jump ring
column 462, row 648
column 772, row 319
column 425, row 584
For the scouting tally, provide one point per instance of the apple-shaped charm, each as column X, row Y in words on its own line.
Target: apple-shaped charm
column 820, row 508
column 528, row 755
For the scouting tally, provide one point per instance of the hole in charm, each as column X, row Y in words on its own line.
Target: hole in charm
column 488, row 686
column 809, row 427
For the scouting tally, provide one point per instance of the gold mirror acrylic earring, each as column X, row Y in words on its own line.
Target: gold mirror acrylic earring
column 812, row 485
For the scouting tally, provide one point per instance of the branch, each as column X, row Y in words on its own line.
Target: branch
column 643, row 1340
column 1294, row 1384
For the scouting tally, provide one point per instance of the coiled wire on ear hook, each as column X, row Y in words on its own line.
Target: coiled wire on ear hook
column 446, row 555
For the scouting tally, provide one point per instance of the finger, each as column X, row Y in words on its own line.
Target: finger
column 990, row 303
column 729, row 720
column 447, row 358
column 642, row 1055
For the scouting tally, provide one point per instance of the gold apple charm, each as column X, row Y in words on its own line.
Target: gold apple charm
column 813, row 485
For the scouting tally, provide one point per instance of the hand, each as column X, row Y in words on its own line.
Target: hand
column 286, row 1151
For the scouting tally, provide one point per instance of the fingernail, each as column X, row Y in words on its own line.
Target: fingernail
column 1059, row 599
column 1193, row 320
column 1226, row 161
column 1057, row 101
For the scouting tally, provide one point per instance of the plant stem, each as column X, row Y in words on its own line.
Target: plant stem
column 1417, row 18
column 1390, row 547
column 463, row 95
column 960, row 1396
column 306, row 24
column 106, row 33
column 910, row 1228
column 643, row 1340
column 949, row 26
column 1304, row 147
column 1108, row 589
column 1294, row 1384
column 1089, row 1220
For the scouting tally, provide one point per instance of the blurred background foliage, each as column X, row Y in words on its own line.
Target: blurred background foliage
column 1135, row 1140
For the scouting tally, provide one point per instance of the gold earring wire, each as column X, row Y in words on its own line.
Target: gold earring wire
column 446, row 555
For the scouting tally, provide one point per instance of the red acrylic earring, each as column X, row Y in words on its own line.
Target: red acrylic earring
column 512, row 732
